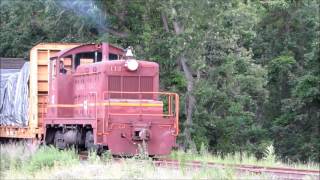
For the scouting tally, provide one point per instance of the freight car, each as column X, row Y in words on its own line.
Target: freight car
column 38, row 90
column 106, row 99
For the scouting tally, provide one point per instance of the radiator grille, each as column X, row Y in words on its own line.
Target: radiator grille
column 130, row 84
column 114, row 84
column 146, row 85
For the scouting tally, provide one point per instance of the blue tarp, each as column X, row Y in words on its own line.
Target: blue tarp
column 14, row 95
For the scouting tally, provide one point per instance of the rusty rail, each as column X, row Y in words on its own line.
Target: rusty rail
column 278, row 172
column 275, row 172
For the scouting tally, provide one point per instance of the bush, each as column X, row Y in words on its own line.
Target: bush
column 13, row 155
column 93, row 157
column 49, row 157
column 106, row 156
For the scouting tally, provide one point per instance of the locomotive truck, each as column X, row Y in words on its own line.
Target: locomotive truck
column 106, row 99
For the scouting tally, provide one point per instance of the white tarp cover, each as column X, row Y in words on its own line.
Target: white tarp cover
column 14, row 96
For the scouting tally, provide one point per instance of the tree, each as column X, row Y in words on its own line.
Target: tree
column 247, row 71
column 288, row 44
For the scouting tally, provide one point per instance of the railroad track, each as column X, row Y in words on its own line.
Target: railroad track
column 276, row 172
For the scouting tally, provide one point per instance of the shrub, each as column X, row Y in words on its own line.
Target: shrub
column 50, row 156
column 106, row 156
column 12, row 155
column 93, row 157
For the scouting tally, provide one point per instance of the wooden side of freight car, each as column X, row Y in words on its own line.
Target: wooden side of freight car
column 38, row 90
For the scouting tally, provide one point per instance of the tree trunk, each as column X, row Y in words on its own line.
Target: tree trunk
column 190, row 100
column 165, row 21
column 190, row 103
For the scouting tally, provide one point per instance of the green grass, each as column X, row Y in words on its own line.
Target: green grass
column 13, row 155
column 47, row 157
column 25, row 161
column 27, row 158
column 269, row 160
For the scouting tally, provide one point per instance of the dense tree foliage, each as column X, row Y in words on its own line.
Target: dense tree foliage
column 289, row 33
column 248, row 72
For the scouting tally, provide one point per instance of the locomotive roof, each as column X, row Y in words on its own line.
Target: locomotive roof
column 90, row 47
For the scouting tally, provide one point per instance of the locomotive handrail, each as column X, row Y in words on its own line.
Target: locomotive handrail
column 169, row 95
column 95, row 106
column 78, row 105
column 140, row 110
column 109, row 103
column 85, row 74
column 170, row 113
column 142, row 92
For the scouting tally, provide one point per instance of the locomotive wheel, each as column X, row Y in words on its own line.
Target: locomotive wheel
column 59, row 140
column 89, row 142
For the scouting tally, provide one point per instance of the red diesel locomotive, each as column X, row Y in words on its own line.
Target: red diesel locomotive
column 100, row 97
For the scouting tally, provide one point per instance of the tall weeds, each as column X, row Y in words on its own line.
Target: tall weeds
column 25, row 161
column 236, row 158
column 30, row 158
column 49, row 157
column 13, row 155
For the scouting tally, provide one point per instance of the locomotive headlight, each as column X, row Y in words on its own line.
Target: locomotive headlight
column 132, row 64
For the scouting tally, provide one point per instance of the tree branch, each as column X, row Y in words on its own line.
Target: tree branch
column 116, row 33
column 165, row 21
column 177, row 27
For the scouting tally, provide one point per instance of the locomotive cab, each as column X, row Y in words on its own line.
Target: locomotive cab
column 102, row 97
